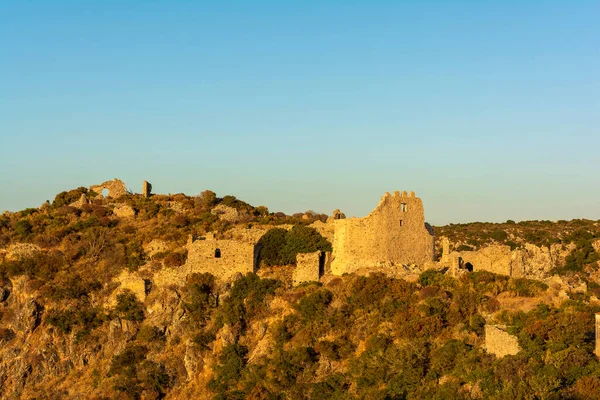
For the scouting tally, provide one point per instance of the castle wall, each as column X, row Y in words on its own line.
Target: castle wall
column 499, row 342
column 222, row 258
column 393, row 233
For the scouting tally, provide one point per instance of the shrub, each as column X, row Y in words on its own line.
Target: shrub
column 201, row 297
column 67, row 197
column 149, row 333
column 80, row 315
column 280, row 247
column 23, row 228
column 431, row 277
column 175, row 259
column 129, row 307
column 6, row 335
column 246, row 299
column 313, row 306
column 228, row 371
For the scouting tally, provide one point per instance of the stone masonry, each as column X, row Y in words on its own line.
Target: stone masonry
column 394, row 232
column 146, row 189
column 499, row 342
column 116, row 188
column 309, row 267
column 220, row 257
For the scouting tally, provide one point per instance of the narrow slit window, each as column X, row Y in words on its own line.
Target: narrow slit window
column 401, row 222
column 403, row 207
column 218, row 253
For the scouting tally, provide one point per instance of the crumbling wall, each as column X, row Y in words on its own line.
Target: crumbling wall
column 116, row 188
column 495, row 259
column 327, row 230
column 394, row 233
column 130, row 281
column 309, row 267
column 83, row 200
column 226, row 213
column 222, row 258
column 499, row 342
column 531, row 261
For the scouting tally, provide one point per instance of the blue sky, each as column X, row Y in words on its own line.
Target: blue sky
column 488, row 110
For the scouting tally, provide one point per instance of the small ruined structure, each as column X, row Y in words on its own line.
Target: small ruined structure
column 501, row 343
column 310, row 266
column 393, row 233
column 146, row 189
column 226, row 213
column 221, row 257
column 530, row 261
column 337, row 214
column 83, row 200
column 597, row 349
column 116, row 188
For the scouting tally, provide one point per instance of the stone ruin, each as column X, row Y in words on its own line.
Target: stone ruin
column 531, row 261
column 146, row 189
column 116, row 188
column 393, row 233
column 499, row 342
column 305, row 270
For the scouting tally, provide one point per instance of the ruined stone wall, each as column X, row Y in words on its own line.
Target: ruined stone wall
column 222, row 258
column 226, row 213
column 495, row 259
column 309, row 267
column 146, row 189
column 326, row 230
column 531, row 261
column 116, row 188
column 393, row 233
column 499, row 342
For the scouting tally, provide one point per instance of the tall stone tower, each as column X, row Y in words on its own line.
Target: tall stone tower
column 146, row 189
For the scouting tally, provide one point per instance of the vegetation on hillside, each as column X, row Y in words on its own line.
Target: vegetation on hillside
column 260, row 338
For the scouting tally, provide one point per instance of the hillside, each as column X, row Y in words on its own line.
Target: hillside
column 75, row 322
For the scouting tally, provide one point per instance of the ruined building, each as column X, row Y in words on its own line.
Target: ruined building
column 393, row 233
column 115, row 188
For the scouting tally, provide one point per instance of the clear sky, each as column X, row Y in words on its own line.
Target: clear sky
column 488, row 110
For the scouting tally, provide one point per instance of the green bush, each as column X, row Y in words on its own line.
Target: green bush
column 83, row 316
column 280, row 247
column 201, row 297
column 313, row 306
column 23, row 228
column 129, row 307
column 228, row 371
column 246, row 299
